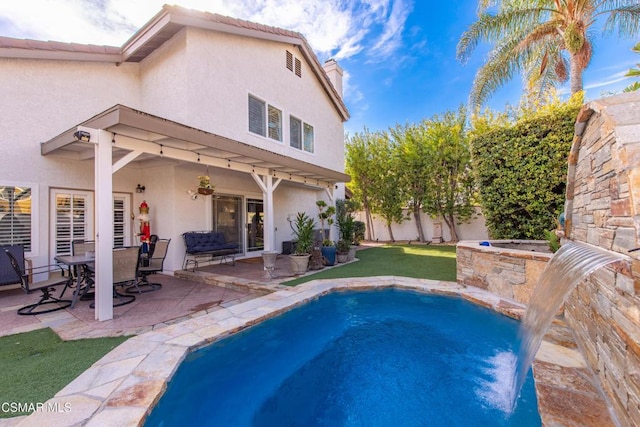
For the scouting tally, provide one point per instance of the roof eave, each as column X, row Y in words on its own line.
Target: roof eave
column 122, row 115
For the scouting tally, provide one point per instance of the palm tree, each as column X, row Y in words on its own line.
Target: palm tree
column 634, row 72
column 549, row 40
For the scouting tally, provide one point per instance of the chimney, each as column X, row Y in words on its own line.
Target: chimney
column 334, row 72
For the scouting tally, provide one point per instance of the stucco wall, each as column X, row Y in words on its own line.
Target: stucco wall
column 475, row 229
column 220, row 80
column 198, row 78
column 42, row 99
column 603, row 209
column 165, row 80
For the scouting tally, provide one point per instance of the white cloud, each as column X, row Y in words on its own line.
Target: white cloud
column 391, row 36
column 333, row 28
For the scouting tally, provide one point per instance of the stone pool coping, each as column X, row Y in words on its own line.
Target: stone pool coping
column 122, row 387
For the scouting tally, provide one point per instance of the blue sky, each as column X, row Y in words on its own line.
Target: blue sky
column 398, row 55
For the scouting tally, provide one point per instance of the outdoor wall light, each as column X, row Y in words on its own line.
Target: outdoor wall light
column 140, row 188
column 82, row 135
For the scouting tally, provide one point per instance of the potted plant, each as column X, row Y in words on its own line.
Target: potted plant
column 347, row 225
column 303, row 234
column 205, row 186
column 342, row 250
column 325, row 214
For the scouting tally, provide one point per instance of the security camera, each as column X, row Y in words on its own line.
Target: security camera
column 82, row 135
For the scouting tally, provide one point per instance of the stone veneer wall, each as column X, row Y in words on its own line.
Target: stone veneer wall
column 509, row 273
column 603, row 209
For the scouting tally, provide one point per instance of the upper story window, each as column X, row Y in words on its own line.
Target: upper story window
column 257, row 109
column 275, row 123
column 15, row 216
column 308, row 137
column 263, row 117
column 300, row 134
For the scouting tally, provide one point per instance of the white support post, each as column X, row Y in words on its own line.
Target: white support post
column 104, row 221
column 268, row 186
column 329, row 191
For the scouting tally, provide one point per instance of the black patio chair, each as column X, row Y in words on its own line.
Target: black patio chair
column 8, row 275
column 56, row 278
column 151, row 264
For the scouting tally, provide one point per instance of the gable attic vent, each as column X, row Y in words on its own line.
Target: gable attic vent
column 298, row 68
column 290, row 64
column 289, row 61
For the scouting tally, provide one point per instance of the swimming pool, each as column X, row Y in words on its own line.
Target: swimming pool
column 386, row 357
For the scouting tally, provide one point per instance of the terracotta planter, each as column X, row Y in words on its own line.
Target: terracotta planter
column 205, row 191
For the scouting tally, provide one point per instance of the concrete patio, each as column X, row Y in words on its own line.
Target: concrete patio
column 186, row 295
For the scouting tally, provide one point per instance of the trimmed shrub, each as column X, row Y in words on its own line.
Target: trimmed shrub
column 521, row 170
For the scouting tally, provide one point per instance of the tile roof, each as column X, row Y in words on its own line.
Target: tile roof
column 12, row 43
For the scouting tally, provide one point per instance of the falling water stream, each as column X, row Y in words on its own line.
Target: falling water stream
column 568, row 267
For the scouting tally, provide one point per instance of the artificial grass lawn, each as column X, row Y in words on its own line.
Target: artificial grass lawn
column 437, row 262
column 38, row 364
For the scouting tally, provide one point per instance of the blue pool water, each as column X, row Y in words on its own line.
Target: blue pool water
column 376, row 358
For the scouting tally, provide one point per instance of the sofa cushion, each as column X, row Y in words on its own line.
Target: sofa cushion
column 207, row 242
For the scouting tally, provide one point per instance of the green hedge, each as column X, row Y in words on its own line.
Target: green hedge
column 521, row 170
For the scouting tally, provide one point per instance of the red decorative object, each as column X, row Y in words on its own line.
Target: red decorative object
column 145, row 228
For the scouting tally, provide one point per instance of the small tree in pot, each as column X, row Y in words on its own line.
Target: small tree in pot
column 347, row 224
column 325, row 214
column 303, row 233
column 343, row 250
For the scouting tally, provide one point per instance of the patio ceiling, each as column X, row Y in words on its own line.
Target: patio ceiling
column 156, row 139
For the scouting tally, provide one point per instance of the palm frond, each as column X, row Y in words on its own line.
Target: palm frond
column 503, row 63
column 492, row 28
column 625, row 18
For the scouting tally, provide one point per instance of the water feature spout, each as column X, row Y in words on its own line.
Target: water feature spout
column 573, row 262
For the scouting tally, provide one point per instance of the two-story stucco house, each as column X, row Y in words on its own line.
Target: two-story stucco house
column 189, row 94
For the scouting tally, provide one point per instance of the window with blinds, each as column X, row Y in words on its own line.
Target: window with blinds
column 257, row 113
column 119, row 222
column 308, row 138
column 295, row 133
column 264, row 119
column 275, row 123
column 15, row 216
column 300, row 135
column 72, row 216
column 71, row 220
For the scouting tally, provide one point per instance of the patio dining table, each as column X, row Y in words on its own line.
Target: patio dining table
column 81, row 262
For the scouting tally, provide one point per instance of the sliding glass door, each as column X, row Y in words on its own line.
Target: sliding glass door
column 255, row 225
column 227, row 218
